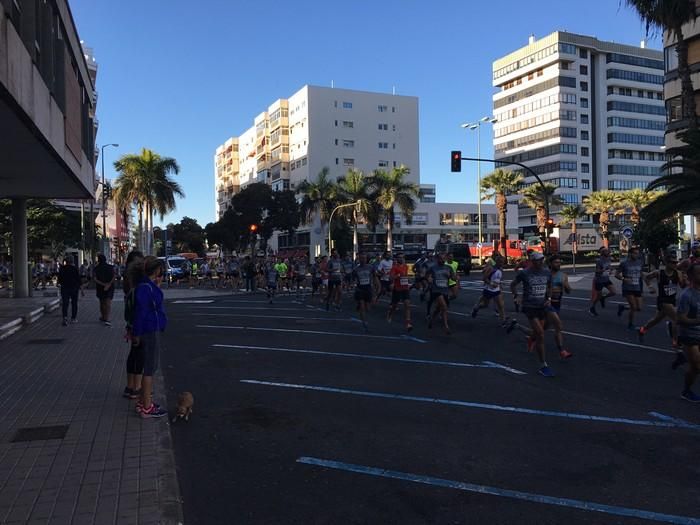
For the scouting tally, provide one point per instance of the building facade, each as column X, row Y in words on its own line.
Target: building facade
column 316, row 127
column 584, row 114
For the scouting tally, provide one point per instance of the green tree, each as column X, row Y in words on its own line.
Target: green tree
column 498, row 185
column 144, row 180
column 636, row 200
column 188, row 236
column 355, row 187
column 655, row 236
column 392, row 191
column 534, row 196
column 604, row 204
column 672, row 15
column 318, row 199
column 283, row 212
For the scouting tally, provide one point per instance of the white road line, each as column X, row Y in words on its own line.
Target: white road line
column 193, row 301
column 623, row 343
column 273, row 317
column 267, row 309
column 484, row 364
column 317, row 332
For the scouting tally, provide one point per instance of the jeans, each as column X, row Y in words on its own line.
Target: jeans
column 72, row 297
column 250, row 283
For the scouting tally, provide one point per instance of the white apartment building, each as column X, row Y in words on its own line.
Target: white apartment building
column 584, row 114
column 316, row 127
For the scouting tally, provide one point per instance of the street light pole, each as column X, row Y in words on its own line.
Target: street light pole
column 104, row 199
column 330, row 219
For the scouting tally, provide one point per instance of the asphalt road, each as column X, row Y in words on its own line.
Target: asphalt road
column 300, row 417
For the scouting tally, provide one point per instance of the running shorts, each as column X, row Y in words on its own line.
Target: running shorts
column 363, row 295
column 534, row 313
column 399, row 296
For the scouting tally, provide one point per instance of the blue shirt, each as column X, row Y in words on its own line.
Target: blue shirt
column 149, row 315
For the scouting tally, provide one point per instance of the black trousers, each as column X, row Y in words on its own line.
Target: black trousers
column 72, row 297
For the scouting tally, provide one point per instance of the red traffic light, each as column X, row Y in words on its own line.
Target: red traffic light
column 253, row 228
column 456, row 161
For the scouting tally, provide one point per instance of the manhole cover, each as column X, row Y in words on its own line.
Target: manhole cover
column 45, row 341
column 40, row 433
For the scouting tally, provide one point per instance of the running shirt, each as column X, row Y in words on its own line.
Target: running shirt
column 603, row 267
column 557, row 287
column 632, row 275
column 272, row 275
column 688, row 304
column 83, row 270
column 454, row 265
column 399, row 274
column 282, row 268
column 441, row 274
column 668, row 286
column 335, row 269
column 493, row 282
column 363, row 275
column 300, row 269
column 347, row 266
column 420, row 267
column 535, row 284
column 233, row 266
column 220, row 268
column 385, row 269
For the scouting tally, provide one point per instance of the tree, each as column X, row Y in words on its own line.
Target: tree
column 604, row 203
column 318, row 199
column 355, row 187
column 637, row 199
column 391, row 190
column 497, row 185
column 188, row 236
column 569, row 214
column 534, row 197
column 671, row 15
column 655, row 236
column 144, row 180
column 283, row 213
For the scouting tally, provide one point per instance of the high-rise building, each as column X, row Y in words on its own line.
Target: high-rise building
column 295, row 138
column 584, row 114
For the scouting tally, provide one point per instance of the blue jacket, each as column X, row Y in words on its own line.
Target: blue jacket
column 149, row 315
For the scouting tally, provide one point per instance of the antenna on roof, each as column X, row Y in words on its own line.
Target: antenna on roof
column 393, row 90
column 332, row 83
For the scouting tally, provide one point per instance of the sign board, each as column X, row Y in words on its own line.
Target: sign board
column 626, row 232
column 586, row 240
column 624, row 245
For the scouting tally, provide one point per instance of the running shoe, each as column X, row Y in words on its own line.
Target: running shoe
column 546, row 371
column 409, row 327
column 65, row 321
column 108, row 324
column 74, row 321
column 135, row 394
column 602, row 300
column 691, row 396
column 679, row 360
column 642, row 332
column 511, row 326
column 592, row 311
column 620, row 309
column 127, row 392
column 153, row 411
column 669, row 329
column 565, row 354
column 531, row 343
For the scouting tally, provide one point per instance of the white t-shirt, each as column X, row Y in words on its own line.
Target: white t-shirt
column 385, row 268
column 493, row 284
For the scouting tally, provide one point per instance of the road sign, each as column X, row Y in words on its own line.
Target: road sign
column 627, row 232
column 479, row 245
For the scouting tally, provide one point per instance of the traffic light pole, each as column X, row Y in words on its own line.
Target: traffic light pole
column 537, row 177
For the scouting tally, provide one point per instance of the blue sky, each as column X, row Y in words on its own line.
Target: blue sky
column 180, row 77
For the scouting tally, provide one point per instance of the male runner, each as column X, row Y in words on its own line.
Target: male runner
column 300, row 271
column 537, row 290
column 348, row 266
column 454, row 282
column 420, row 271
column 630, row 273
column 363, row 275
column 603, row 269
column 401, row 289
column 383, row 271
column 335, row 280
column 272, row 276
column 439, row 278
column 689, row 329
column 492, row 290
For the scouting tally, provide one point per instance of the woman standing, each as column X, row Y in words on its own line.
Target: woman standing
column 134, row 363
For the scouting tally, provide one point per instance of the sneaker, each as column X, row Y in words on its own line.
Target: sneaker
column 602, row 300
column 592, row 311
column 511, row 326
column 546, row 372
column 73, row 321
column 153, row 411
column 108, row 324
column 65, row 321
column 127, row 392
column 565, row 354
column 678, row 361
column 139, row 406
column 409, row 327
column 135, row 394
column 691, row 396
column 620, row 309
column 641, row 333
column 531, row 343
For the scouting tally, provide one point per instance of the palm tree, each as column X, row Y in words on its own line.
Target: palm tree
column 498, row 185
column 637, row 199
column 392, row 190
column 604, row 203
column 355, row 187
column 144, row 180
column 671, row 15
column 534, row 197
column 319, row 198
column 570, row 214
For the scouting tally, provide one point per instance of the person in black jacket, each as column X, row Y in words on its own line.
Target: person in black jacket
column 69, row 281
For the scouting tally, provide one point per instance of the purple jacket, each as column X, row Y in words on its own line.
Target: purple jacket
column 149, row 315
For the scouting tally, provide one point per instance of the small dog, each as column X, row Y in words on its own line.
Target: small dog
column 185, row 402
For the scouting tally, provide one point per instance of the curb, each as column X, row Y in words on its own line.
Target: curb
column 17, row 324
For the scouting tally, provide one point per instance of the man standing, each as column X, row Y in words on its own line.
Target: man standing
column 69, row 281
column 104, row 287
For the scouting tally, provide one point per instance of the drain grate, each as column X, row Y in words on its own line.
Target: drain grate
column 40, row 433
column 45, row 341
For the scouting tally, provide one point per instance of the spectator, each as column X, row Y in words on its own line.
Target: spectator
column 104, row 287
column 69, row 281
column 134, row 273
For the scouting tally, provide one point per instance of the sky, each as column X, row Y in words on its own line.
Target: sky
column 181, row 77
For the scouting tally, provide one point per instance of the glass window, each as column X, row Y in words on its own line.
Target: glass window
column 347, row 105
column 348, row 162
column 674, row 109
column 585, row 184
column 348, row 124
column 583, row 53
column 670, row 59
column 635, row 76
column 585, row 168
column 381, row 109
column 584, row 86
column 584, row 102
column 584, row 135
column 583, row 70
column 634, row 61
column 584, row 152
column 584, row 119
column 348, row 143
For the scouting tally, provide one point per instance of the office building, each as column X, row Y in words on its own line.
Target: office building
column 584, row 114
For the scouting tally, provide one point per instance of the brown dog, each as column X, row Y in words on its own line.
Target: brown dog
column 185, row 402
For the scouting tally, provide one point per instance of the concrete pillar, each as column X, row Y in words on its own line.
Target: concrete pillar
column 20, row 271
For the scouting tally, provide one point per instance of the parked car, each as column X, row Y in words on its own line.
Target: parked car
column 173, row 267
column 461, row 253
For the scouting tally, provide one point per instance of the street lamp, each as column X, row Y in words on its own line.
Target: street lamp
column 354, row 248
column 104, row 198
column 477, row 126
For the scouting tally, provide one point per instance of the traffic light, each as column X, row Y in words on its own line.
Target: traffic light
column 456, row 159
column 253, row 228
column 549, row 224
column 106, row 192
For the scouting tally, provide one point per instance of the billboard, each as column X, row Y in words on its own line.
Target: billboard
column 587, row 239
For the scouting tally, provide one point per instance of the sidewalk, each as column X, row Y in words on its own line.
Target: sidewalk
column 72, row 449
column 16, row 314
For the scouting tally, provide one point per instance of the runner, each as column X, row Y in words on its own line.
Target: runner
column 560, row 284
column 83, row 277
column 363, row 275
column 335, row 280
column 603, row 269
column 439, row 278
column 537, row 288
column 282, row 269
column 384, row 271
column 401, row 290
column 492, row 290
column 693, row 257
column 689, row 330
column 348, row 266
column 300, row 271
column 630, row 273
column 315, row 276
column 420, row 271
column 234, row 270
column 195, row 274
column 220, row 273
column 453, row 283
column 272, row 276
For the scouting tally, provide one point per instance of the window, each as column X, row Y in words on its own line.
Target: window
column 335, row 103
column 336, row 123
column 569, row 198
column 585, row 168
column 393, row 146
column 584, row 135
column 534, row 90
column 565, row 182
column 336, row 142
column 634, row 61
column 670, row 59
column 383, row 163
column 584, row 152
column 348, row 143
column 640, row 93
column 393, row 109
column 629, row 138
column 641, row 171
column 584, row 86
column 583, row 53
column 383, row 145
column 336, row 161
column 584, row 102
column 635, row 76
column 619, row 185
column 546, row 151
column 420, row 219
column 348, row 124
column 584, row 119
column 381, row 109
column 674, row 109
column 623, row 122
column 583, row 70
column 348, row 162
column 537, row 137
column 585, row 184
column 393, row 127
column 303, row 161
column 631, row 107
column 567, row 48
column 383, row 127
column 347, row 105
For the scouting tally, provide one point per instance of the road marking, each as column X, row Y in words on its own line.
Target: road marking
column 589, row 506
column 277, row 317
column 193, row 301
column 484, row 364
column 267, row 309
column 298, row 331
column 623, row 343
column 485, row 406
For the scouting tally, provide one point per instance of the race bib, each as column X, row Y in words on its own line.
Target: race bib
column 364, row 281
column 404, row 281
column 441, row 283
column 670, row 289
column 539, row 290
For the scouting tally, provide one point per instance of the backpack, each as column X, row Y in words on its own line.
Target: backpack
column 130, row 305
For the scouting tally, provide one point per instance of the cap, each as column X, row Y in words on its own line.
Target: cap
column 537, row 256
